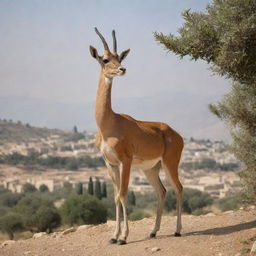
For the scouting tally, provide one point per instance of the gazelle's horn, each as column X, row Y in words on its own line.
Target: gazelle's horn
column 114, row 41
column 102, row 39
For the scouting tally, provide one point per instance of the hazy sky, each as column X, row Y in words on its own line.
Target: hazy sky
column 44, row 49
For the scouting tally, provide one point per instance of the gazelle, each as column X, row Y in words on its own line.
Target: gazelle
column 126, row 143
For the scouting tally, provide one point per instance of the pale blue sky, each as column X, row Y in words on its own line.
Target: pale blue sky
column 44, row 50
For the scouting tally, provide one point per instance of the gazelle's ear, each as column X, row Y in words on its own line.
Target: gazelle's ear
column 123, row 55
column 94, row 52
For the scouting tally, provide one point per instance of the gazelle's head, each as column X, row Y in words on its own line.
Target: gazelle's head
column 110, row 61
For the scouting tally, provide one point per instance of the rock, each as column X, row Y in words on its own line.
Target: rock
column 38, row 235
column 111, row 223
column 253, row 250
column 251, row 207
column 55, row 234
column 84, row 227
column 27, row 252
column 69, row 230
column 8, row 242
column 228, row 212
column 210, row 214
column 155, row 249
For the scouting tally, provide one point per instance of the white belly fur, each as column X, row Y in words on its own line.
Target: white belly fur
column 111, row 157
column 145, row 164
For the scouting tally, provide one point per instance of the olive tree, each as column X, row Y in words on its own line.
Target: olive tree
column 224, row 36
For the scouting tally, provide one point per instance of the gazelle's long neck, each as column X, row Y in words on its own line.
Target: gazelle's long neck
column 104, row 113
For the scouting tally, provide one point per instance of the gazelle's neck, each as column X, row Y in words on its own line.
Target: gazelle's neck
column 104, row 113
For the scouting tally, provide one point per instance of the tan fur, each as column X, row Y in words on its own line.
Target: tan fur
column 125, row 141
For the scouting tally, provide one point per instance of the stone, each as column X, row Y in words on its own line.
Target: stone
column 27, row 252
column 155, row 249
column 84, row 227
column 210, row 214
column 253, row 250
column 111, row 223
column 8, row 242
column 229, row 212
column 251, row 207
column 69, row 230
column 38, row 235
column 56, row 234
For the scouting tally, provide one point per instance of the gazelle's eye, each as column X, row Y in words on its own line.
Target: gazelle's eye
column 105, row 61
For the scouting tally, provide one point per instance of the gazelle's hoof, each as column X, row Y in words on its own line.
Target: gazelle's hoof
column 177, row 234
column 112, row 241
column 121, row 242
column 152, row 235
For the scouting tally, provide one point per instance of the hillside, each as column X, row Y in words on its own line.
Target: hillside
column 192, row 119
column 229, row 233
column 18, row 132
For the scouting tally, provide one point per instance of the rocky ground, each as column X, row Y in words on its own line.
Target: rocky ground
column 229, row 233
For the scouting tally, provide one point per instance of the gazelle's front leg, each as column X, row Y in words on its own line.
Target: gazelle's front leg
column 125, row 176
column 114, row 173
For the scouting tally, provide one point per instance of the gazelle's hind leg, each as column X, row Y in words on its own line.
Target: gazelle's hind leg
column 170, row 163
column 153, row 177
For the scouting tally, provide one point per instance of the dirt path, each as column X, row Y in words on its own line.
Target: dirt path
column 230, row 233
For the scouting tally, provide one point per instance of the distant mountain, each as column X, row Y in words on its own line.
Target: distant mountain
column 186, row 113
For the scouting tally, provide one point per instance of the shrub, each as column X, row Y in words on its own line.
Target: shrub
column 72, row 164
column 131, row 199
column 170, row 202
column 193, row 200
column 138, row 215
column 83, row 209
column 47, row 218
column 146, row 201
column 43, row 188
column 37, row 212
column 229, row 203
column 9, row 199
column 109, row 204
column 28, row 188
column 11, row 223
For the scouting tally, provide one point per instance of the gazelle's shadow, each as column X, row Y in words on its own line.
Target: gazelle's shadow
column 213, row 231
column 224, row 230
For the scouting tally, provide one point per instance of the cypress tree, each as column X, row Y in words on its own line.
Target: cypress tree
column 75, row 130
column 90, row 187
column 104, row 190
column 79, row 188
column 98, row 188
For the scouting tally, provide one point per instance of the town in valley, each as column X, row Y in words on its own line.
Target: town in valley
column 206, row 165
